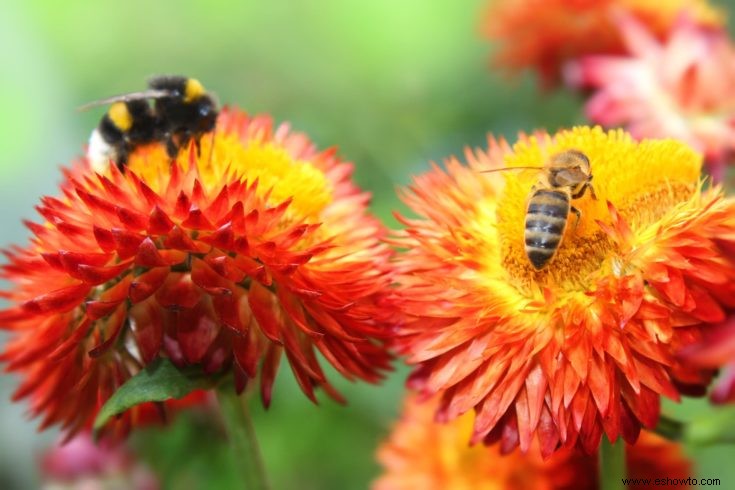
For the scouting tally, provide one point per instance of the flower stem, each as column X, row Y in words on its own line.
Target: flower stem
column 669, row 428
column 243, row 441
column 612, row 465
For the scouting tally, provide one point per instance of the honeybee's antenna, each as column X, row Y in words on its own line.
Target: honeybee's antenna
column 510, row 168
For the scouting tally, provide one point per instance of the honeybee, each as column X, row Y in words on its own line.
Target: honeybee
column 566, row 176
column 182, row 110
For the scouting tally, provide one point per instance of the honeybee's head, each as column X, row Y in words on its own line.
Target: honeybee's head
column 569, row 168
column 572, row 159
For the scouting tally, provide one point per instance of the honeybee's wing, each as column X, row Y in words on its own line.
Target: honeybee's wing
column 144, row 95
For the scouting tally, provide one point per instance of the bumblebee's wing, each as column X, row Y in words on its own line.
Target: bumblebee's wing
column 144, row 95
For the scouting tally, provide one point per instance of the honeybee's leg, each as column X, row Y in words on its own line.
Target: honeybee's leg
column 592, row 190
column 579, row 193
column 578, row 214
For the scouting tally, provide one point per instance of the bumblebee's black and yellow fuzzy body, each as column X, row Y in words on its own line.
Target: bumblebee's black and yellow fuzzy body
column 182, row 110
column 124, row 126
column 188, row 112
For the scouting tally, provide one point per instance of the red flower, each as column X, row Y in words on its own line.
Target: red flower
column 421, row 453
column 588, row 344
column 259, row 248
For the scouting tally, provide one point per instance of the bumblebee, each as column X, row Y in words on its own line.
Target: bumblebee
column 186, row 112
column 566, row 176
column 182, row 111
column 125, row 125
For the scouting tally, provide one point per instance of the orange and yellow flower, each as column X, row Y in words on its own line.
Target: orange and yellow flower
column 261, row 246
column 544, row 34
column 681, row 88
column 421, row 453
column 588, row 344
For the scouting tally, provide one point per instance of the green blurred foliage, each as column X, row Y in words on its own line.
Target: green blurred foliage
column 393, row 84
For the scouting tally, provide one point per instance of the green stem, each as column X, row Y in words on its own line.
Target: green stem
column 242, row 437
column 612, row 465
column 669, row 428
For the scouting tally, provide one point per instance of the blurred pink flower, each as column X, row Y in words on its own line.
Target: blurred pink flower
column 82, row 464
column 717, row 350
column 681, row 88
column 542, row 35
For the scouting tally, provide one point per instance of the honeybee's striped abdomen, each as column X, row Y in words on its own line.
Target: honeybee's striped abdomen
column 546, row 219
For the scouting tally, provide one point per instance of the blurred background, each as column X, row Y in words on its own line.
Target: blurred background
column 394, row 85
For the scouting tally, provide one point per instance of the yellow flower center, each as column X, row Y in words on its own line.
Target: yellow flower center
column 643, row 181
column 279, row 174
column 662, row 13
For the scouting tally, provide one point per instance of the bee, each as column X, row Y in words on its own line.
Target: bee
column 186, row 112
column 182, row 111
column 565, row 177
column 126, row 125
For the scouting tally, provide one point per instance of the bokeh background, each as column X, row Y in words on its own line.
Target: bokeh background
column 394, row 85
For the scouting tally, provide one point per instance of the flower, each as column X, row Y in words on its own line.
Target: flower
column 681, row 88
column 421, row 453
column 717, row 350
column 81, row 463
column 544, row 34
column 261, row 246
column 587, row 344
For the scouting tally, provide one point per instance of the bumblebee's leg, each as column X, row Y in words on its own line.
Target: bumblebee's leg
column 578, row 214
column 171, row 148
column 122, row 153
column 184, row 139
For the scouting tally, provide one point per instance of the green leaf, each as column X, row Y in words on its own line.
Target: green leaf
column 159, row 381
column 714, row 427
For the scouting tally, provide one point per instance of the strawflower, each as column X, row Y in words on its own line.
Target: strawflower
column 544, row 34
column 421, row 453
column 716, row 350
column 224, row 261
column 682, row 88
column 588, row 344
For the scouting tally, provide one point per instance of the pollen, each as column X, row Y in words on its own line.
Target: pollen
column 280, row 176
column 634, row 177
